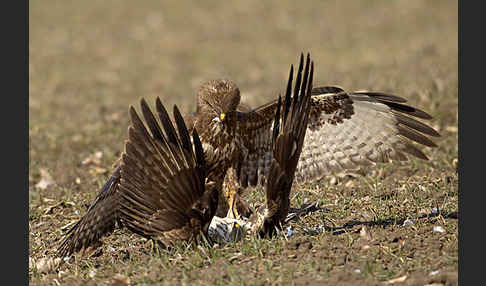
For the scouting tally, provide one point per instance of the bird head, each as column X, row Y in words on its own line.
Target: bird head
column 218, row 99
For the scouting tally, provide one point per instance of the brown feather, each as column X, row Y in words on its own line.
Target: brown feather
column 344, row 132
column 98, row 221
column 288, row 135
column 157, row 190
column 153, row 207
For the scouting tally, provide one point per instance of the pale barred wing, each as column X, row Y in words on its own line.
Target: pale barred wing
column 162, row 176
column 345, row 131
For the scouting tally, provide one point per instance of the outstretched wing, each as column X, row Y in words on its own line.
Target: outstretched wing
column 98, row 221
column 349, row 130
column 162, row 177
column 290, row 125
column 344, row 131
column 154, row 191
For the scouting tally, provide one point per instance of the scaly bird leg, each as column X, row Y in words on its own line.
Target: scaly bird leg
column 230, row 191
column 230, row 194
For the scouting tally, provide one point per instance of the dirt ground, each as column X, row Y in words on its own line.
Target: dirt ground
column 90, row 60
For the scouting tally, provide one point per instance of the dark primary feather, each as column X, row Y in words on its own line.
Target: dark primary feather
column 162, row 193
column 98, row 221
column 170, row 132
column 276, row 121
column 151, row 121
column 288, row 136
column 326, row 89
column 373, row 96
column 392, row 101
column 184, row 136
column 200, row 161
column 289, row 88
column 158, row 190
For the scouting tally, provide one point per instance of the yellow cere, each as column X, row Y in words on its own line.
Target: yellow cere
column 222, row 116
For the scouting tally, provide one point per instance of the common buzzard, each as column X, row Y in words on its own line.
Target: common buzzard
column 344, row 131
column 162, row 189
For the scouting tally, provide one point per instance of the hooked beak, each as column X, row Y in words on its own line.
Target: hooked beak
column 220, row 118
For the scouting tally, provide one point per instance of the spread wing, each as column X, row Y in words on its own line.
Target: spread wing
column 287, row 141
column 153, row 190
column 344, row 131
column 98, row 221
column 162, row 177
column 349, row 130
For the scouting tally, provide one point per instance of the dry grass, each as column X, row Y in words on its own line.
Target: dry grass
column 90, row 60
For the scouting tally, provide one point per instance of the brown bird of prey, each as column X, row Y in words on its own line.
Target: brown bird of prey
column 161, row 188
column 288, row 133
column 344, row 131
